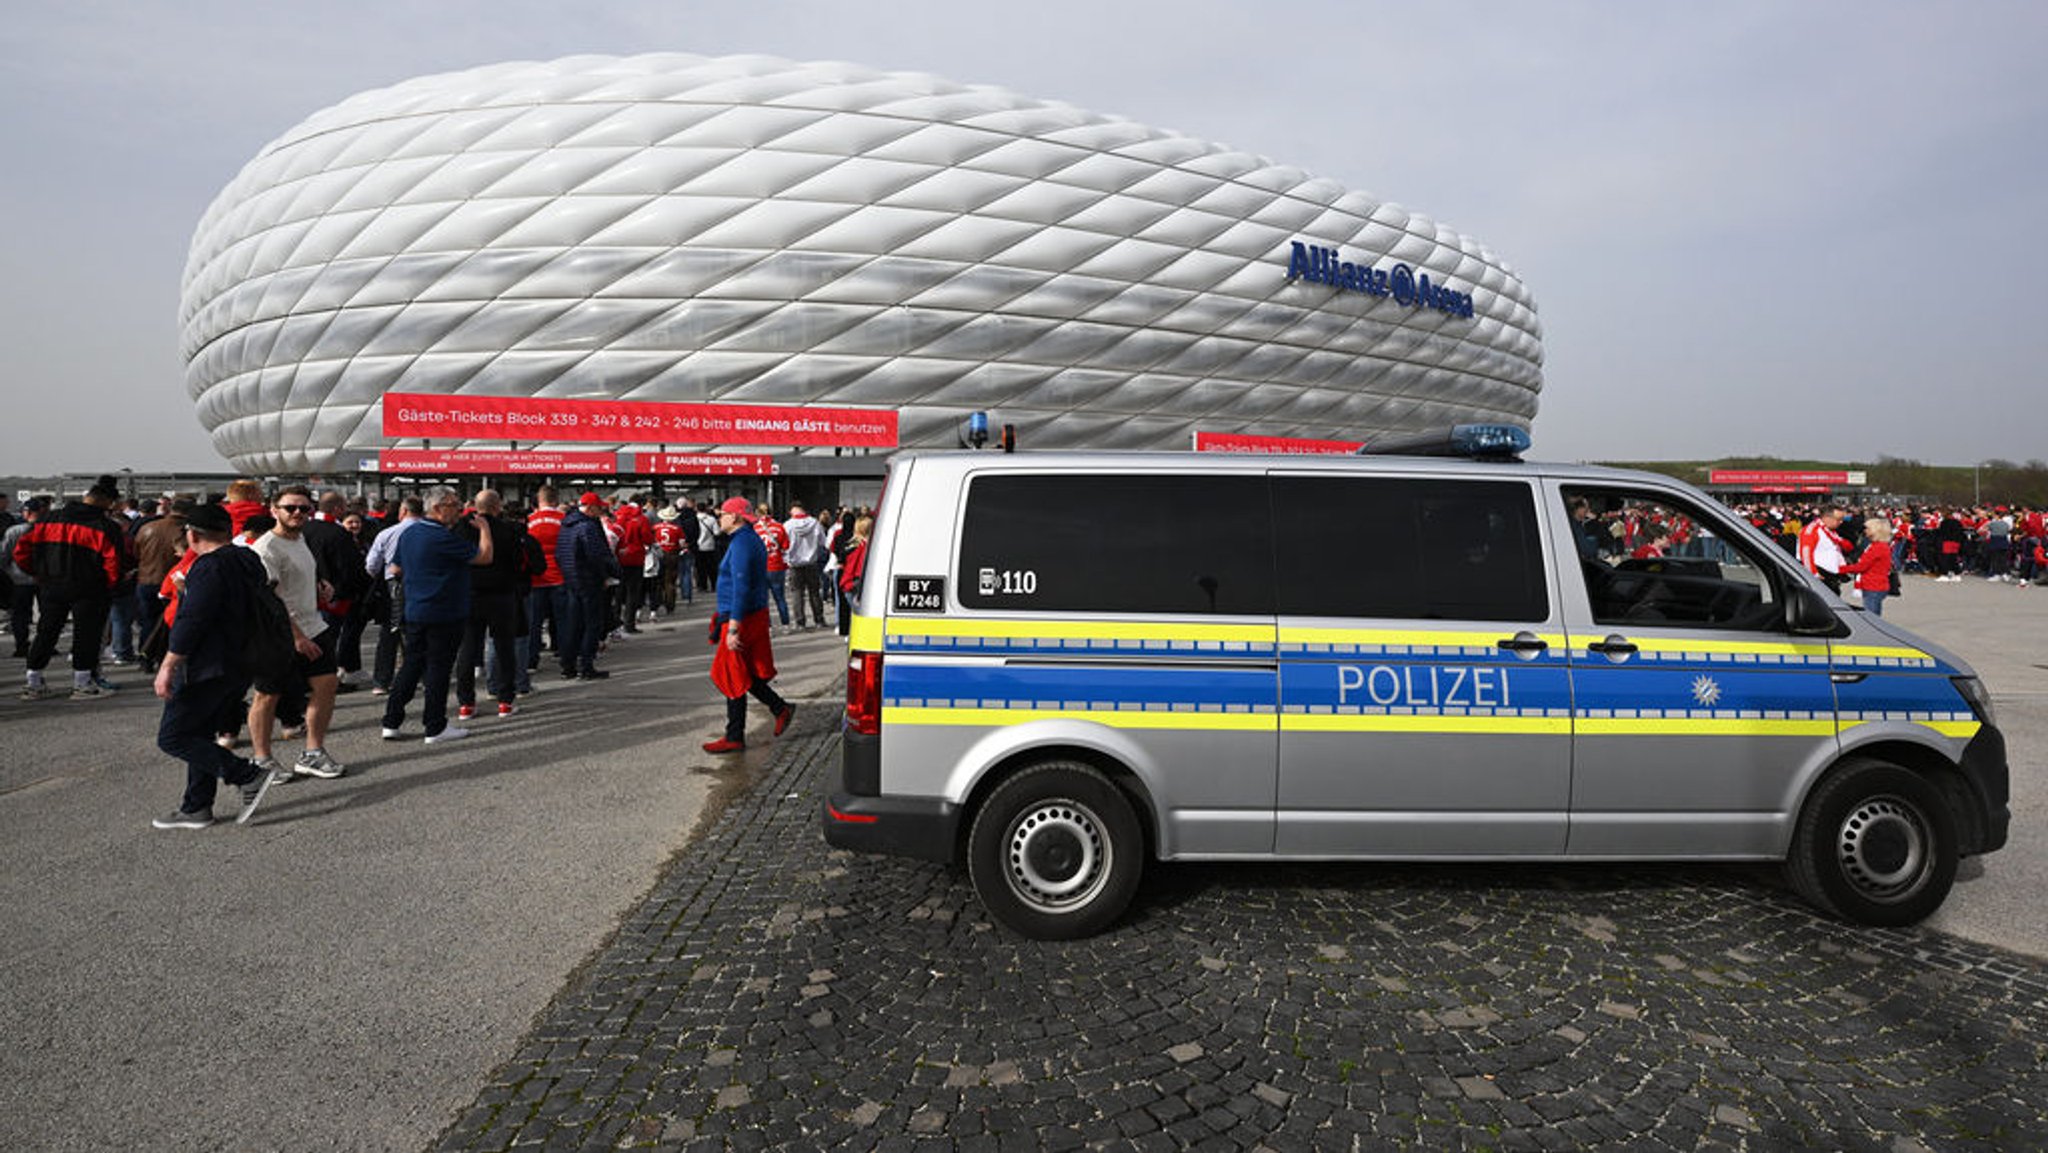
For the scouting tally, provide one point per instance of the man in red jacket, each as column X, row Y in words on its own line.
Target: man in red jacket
column 76, row 556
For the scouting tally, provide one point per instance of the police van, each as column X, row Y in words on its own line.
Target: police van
column 1063, row 665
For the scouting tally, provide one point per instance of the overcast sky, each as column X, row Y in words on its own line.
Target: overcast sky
column 1802, row 230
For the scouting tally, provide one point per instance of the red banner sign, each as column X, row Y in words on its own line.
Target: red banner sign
column 414, row 414
column 1752, row 476
column 701, row 464
column 1282, row 445
column 412, row 461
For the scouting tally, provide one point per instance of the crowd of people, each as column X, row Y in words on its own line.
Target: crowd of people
column 251, row 612
column 1859, row 553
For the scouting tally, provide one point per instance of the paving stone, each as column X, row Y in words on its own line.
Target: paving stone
column 771, row 993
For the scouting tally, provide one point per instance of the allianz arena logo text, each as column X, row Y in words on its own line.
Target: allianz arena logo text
column 1319, row 265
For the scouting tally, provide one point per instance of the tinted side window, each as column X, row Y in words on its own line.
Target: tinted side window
column 1650, row 561
column 1128, row 543
column 1415, row 549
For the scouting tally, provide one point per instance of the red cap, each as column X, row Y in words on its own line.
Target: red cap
column 592, row 498
column 739, row 506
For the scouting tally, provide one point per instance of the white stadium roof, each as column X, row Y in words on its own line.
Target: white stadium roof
column 749, row 230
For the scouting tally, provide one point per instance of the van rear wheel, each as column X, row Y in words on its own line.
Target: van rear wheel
column 1875, row 844
column 1055, row 852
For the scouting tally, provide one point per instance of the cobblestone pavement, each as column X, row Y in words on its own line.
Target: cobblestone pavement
column 772, row 993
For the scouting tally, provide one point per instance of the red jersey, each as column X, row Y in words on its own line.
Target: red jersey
column 545, row 525
column 774, row 539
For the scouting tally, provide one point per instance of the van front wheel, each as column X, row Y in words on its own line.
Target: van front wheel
column 1055, row 851
column 1875, row 844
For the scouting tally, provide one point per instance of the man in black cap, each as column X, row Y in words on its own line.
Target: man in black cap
column 202, row 677
column 77, row 557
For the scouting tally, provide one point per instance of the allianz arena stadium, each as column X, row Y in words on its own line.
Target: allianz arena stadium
column 750, row 231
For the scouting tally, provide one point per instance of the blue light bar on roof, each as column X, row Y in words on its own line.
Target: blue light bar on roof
column 1493, row 441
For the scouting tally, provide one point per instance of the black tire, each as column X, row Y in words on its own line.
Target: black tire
column 1875, row 844
column 1055, row 852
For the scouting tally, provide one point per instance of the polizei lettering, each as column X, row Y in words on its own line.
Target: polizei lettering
column 1423, row 686
column 1319, row 265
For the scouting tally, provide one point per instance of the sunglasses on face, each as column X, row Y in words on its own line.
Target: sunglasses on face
column 295, row 508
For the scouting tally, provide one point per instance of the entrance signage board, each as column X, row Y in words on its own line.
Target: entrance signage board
column 1796, row 478
column 701, row 464
column 465, row 463
column 516, row 418
column 1280, row 445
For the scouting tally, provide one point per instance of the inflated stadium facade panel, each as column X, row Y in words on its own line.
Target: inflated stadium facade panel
column 751, row 231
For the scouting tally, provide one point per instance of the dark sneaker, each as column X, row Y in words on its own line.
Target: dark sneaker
column 316, row 763
column 593, row 674
column 180, row 819
column 91, row 691
column 253, row 791
column 782, row 718
column 38, row 693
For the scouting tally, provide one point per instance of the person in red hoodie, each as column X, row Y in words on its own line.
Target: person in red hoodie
column 245, row 499
column 1873, row 569
column 636, row 536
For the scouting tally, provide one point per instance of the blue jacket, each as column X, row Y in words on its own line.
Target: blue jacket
column 213, row 613
column 743, row 575
column 583, row 552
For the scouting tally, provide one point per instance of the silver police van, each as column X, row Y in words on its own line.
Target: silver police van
column 1063, row 665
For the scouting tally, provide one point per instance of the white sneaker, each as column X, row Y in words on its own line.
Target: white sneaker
column 316, row 763
column 389, row 734
column 451, row 733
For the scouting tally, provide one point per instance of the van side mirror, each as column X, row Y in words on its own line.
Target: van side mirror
column 1808, row 615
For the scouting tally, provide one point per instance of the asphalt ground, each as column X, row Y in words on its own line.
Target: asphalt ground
column 474, row 965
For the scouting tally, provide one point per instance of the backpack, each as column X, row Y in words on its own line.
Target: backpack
column 267, row 648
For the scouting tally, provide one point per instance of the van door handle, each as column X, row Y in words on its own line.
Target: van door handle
column 1523, row 642
column 1615, row 645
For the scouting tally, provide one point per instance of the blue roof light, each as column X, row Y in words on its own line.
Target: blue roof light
column 1490, row 439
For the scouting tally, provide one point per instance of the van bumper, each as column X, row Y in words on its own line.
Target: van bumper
column 856, row 817
column 921, row 827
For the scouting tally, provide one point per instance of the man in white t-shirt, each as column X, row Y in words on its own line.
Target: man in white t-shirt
column 312, row 681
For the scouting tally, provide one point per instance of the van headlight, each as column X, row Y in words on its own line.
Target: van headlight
column 1980, row 699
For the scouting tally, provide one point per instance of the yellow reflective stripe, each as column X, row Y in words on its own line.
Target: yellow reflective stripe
column 1305, row 635
column 864, row 633
column 915, row 626
column 1386, row 723
column 1689, row 727
column 1113, row 718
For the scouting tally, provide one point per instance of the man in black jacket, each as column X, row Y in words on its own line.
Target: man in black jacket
column 77, row 557
column 202, row 677
column 496, row 591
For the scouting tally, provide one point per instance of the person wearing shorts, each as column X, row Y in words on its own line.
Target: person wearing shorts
column 312, row 683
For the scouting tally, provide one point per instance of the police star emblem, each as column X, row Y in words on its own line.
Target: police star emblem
column 1705, row 691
